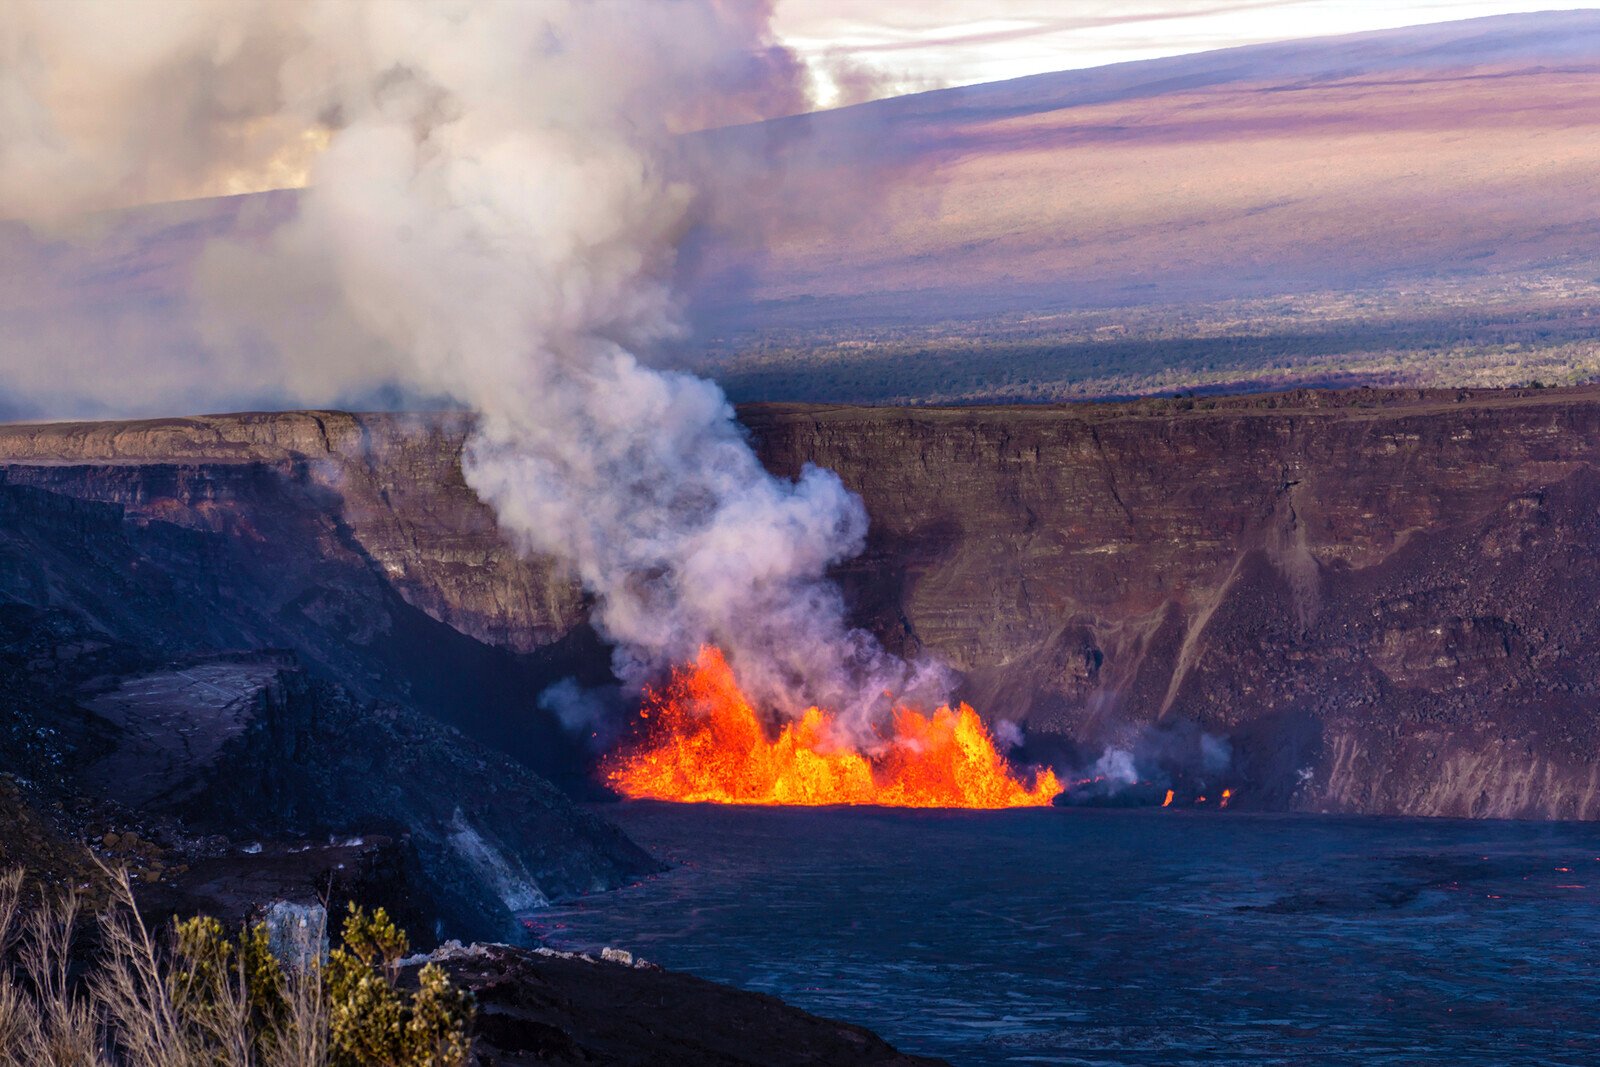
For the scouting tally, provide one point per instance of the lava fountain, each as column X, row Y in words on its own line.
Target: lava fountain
column 701, row 741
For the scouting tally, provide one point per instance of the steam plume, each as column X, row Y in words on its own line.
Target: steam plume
column 496, row 195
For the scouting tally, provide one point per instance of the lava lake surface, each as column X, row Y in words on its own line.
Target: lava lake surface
column 1059, row 936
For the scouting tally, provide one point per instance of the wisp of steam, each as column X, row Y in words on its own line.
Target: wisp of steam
column 495, row 196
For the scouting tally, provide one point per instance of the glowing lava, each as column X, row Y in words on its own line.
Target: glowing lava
column 703, row 742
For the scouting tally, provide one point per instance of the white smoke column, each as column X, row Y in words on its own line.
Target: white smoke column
column 1116, row 765
column 497, row 210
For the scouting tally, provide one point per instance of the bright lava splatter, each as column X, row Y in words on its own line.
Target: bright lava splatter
column 702, row 742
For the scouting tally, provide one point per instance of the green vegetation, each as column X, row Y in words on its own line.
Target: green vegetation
column 371, row 1021
column 203, row 999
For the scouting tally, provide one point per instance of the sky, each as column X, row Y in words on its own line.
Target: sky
column 861, row 49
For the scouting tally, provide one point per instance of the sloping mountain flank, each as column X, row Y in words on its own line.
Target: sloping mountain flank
column 1406, row 207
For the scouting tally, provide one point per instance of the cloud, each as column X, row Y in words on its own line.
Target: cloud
column 1046, row 21
column 963, row 42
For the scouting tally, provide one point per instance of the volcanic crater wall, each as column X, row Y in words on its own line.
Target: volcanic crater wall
column 1386, row 601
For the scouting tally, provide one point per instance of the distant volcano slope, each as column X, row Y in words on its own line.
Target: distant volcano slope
column 1380, row 602
column 1461, row 148
column 1411, row 206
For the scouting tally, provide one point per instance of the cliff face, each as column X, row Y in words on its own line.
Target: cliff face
column 353, row 542
column 384, row 489
column 1383, row 601
column 214, row 632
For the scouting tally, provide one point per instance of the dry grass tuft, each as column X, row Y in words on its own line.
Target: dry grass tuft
column 198, row 998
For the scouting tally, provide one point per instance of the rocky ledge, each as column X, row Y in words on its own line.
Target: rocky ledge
column 544, row 1007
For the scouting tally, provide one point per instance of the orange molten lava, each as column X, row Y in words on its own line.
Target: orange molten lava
column 704, row 742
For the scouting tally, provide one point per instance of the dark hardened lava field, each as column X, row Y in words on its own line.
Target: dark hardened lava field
column 1132, row 937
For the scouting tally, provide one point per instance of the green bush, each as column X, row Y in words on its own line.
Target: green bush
column 371, row 1021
